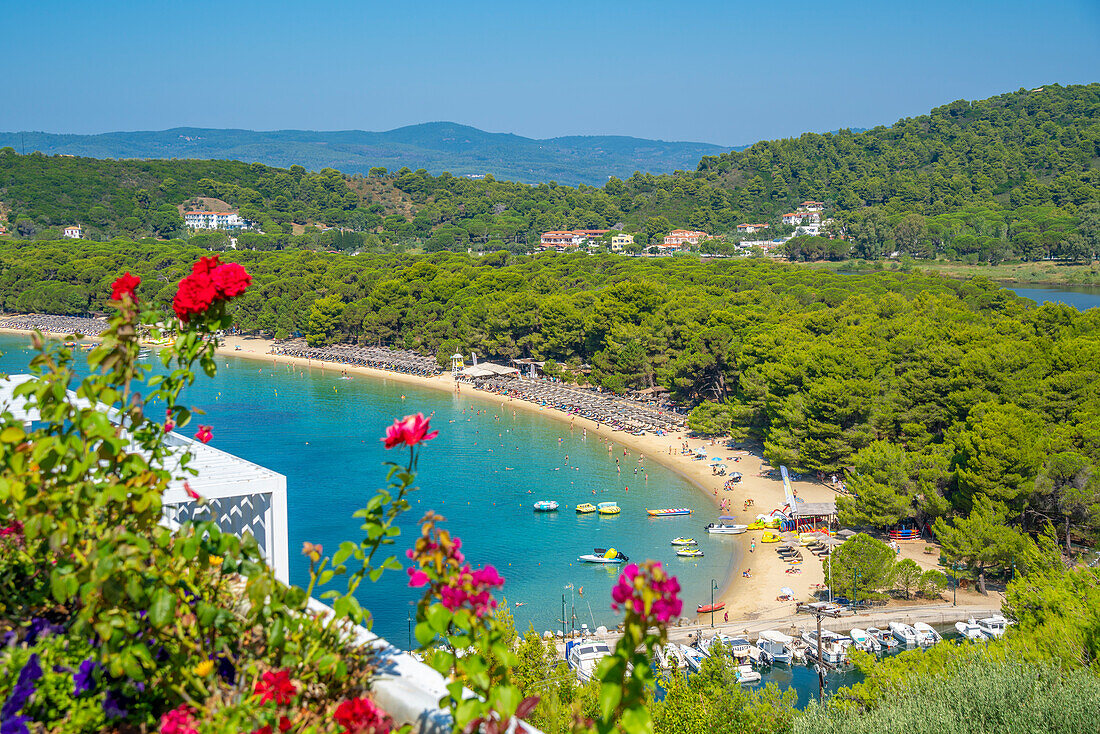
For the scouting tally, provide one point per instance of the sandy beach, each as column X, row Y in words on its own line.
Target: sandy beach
column 746, row 598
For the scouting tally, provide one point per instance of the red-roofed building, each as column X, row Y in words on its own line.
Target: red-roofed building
column 813, row 206
column 679, row 237
column 215, row 220
column 750, row 228
column 802, row 218
column 569, row 238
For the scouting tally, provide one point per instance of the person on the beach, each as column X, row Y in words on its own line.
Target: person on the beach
column 752, row 546
column 726, row 617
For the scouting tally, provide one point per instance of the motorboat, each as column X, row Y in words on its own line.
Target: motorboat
column 831, row 649
column 693, row 657
column 883, row 637
column 746, row 675
column 689, row 553
column 774, row 646
column 586, row 508
column 926, row 636
column 994, row 626
column 737, row 647
column 608, row 508
column 585, row 656
column 669, row 512
column 904, row 634
column 707, row 608
column 604, row 555
column 970, row 630
column 659, row 657
column 726, row 525
column 674, row 655
column 863, row 641
column 546, row 505
column 684, row 541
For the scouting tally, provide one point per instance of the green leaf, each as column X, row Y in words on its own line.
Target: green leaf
column 346, row 549
column 162, row 608
column 636, row 720
column 439, row 617
column 610, row 696
column 424, row 633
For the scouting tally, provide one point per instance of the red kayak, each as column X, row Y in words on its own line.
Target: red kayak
column 704, row 608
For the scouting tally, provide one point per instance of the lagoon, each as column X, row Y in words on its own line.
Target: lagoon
column 483, row 473
column 1080, row 297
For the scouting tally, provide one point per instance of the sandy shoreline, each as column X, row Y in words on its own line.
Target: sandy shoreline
column 745, row 598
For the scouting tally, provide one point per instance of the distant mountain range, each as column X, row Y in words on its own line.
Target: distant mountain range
column 435, row 146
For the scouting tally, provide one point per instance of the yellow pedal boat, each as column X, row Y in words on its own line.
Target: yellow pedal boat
column 586, row 508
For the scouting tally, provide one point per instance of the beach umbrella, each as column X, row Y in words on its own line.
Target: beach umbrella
column 786, row 591
column 846, row 533
column 830, row 541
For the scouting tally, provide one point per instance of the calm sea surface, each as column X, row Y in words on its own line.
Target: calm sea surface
column 483, row 473
column 1080, row 297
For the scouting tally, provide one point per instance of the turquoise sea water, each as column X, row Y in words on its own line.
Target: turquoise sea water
column 483, row 473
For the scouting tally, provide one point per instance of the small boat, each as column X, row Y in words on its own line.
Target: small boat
column 926, row 636
column 586, row 508
column 608, row 508
column 993, row 626
column 546, row 505
column 904, row 634
column 863, row 641
column 674, row 655
column 726, row 525
column 604, row 555
column 689, row 553
column 684, row 541
column 774, row 646
column 746, row 675
column 970, row 630
column 693, row 657
column 669, row 512
column 832, row 651
column 144, row 353
column 885, row 640
column 705, row 608
column 585, row 656
column 770, row 537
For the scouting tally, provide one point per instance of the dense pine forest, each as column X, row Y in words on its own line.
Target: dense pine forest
column 1013, row 176
column 936, row 391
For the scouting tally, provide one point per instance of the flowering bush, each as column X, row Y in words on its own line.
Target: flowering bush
column 111, row 620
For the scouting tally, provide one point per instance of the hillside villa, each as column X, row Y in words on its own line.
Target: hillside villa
column 750, row 228
column 215, row 220
column 73, row 232
column 812, row 206
column 797, row 218
column 619, row 241
column 569, row 238
column 680, row 237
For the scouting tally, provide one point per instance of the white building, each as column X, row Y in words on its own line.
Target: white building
column 215, row 220
column 802, row 218
column 73, row 232
column 751, row 228
column 678, row 237
column 813, row 206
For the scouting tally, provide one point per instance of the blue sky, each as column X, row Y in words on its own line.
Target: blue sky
column 723, row 72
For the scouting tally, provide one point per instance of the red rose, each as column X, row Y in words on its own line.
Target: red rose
column 361, row 715
column 125, row 286
column 230, row 279
column 195, row 295
column 205, row 265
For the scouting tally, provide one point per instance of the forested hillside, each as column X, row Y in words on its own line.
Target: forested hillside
column 1014, row 176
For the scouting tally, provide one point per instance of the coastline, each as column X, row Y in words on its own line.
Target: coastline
column 744, row 598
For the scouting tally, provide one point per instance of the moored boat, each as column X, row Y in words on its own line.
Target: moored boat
column 746, row 675
column 584, row 509
column 774, row 646
column 689, row 553
column 546, row 505
column 684, row 541
column 669, row 512
column 863, row 641
column 993, row 626
column 608, row 508
column 706, row 608
column 585, row 656
column 904, row 634
column 604, row 555
column 926, row 636
column 970, row 630
column 726, row 525
column 885, row 640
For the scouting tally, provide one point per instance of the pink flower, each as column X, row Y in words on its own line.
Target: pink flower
column 417, row 578
column 125, row 286
column 16, row 528
column 191, row 493
column 648, row 592
column 275, row 686
column 204, row 434
column 169, row 424
column 178, row 721
column 411, row 430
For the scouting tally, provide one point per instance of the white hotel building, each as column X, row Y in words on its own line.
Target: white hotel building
column 215, row 220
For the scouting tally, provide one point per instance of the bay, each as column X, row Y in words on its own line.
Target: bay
column 1080, row 297
column 482, row 474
